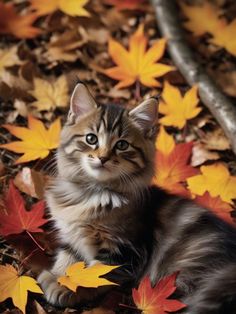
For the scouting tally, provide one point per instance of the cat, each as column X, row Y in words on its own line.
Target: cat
column 105, row 210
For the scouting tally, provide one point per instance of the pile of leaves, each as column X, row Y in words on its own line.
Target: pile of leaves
column 114, row 47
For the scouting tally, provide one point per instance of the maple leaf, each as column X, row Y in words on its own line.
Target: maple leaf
column 70, row 7
column 178, row 109
column 36, row 140
column 8, row 58
column 223, row 33
column 16, row 287
column 154, row 300
column 219, row 207
column 18, row 25
column 126, row 4
column 215, row 179
column 78, row 275
column 137, row 63
column 14, row 217
column 172, row 168
column 50, row 95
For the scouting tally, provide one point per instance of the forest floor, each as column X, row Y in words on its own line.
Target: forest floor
column 39, row 67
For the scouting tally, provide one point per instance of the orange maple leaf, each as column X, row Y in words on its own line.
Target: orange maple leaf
column 36, row 140
column 154, row 300
column 219, row 207
column 126, row 4
column 137, row 64
column 18, row 25
column 172, row 168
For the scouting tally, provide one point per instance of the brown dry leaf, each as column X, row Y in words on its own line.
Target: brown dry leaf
column 215, row 140
column 50, row 95
column 64, row 47
column 31, row 182
column 39, row 309
column 200, row 154
column 226, row 80
column 8, row 58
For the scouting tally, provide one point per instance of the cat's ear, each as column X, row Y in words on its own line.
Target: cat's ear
column 145, row 115
column 81, row 101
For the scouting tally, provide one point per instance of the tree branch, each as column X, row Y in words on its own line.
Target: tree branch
column 220, row 106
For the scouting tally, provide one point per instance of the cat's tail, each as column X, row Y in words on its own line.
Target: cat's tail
column 218, row 294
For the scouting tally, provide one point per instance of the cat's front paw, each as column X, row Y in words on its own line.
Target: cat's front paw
column 55, row 293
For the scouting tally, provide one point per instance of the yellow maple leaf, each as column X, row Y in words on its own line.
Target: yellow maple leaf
column 14, row 286
column 78, row 275
column 207, row 18
column 178, row 109
column 36, row 142
column 165, row 143
column 216, row 180
column 8, row 58
column 70, row 7
column 137, row 64
column 50, row 95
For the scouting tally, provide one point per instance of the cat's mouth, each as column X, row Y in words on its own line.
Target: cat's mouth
column 100, row 167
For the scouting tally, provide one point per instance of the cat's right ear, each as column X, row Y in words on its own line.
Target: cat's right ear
column 81, row 101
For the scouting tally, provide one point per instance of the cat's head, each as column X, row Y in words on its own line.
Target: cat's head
column 107, row 143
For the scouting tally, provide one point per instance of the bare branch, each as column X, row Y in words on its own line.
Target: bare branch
column 220, row 106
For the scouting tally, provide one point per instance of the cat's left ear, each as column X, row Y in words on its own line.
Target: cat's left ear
column 145, row 116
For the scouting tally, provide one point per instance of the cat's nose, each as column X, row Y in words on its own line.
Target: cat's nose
column 103, row 159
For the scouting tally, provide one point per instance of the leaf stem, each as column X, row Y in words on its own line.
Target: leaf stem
column 129, row 307
column 35, row 241
column 137, row 93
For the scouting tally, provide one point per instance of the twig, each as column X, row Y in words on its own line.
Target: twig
column 34, row 240
column 220, row 106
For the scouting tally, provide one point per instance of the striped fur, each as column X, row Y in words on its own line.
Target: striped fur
column 107, row 212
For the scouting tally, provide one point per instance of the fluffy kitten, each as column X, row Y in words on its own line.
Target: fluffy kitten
column 105, row 210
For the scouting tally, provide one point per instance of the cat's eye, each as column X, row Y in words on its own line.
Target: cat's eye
column 122, row 145
column 91, row 139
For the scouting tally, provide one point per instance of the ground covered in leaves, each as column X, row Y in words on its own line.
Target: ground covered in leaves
column 115, row 48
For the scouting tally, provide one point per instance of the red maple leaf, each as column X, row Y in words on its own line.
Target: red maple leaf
column 173, row 169
column 220, row 208
column 15, row 219
column 154, row 300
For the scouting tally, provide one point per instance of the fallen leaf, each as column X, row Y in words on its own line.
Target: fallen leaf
column 50, row 95
column 215, row 179
column 172, row 164
column 89, row 277
column 137, row 63
column 223, row 33
column 200, row 154
column 177, row 109
column 14, row 217
column 71, row 7
column 36, row 140
column 16, row 287
column 64, row 47
column 18, row 25
column 215, row 140
column 126, row 4
column 8, row 57
column 165, row 143
column 31, row 182
column 154, row 300
column 219, row 207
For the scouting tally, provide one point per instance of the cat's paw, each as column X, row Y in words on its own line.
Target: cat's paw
column 55, row 293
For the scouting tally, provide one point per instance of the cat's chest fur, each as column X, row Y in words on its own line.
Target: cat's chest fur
column 89, row 222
